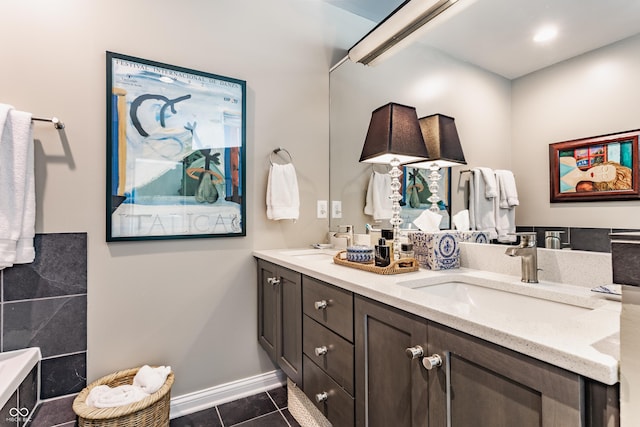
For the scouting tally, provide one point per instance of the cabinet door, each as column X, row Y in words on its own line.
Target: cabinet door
column 289, row 323
column 280, row 317
column 484, row 385
column 267, row 306
column 391, row 389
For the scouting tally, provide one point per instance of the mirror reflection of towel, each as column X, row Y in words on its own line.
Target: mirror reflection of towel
column 505, row 206
column 482, row 215
column 378, row 202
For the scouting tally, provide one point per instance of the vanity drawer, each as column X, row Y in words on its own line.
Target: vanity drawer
column 329, row 306
column 332, row 353
column 327, row 395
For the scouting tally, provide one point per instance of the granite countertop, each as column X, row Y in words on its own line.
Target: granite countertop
column 583, row 340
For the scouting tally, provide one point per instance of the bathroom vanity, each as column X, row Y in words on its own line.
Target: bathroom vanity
column 410, row 349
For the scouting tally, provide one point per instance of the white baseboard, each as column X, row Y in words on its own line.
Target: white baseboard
column 208, row 398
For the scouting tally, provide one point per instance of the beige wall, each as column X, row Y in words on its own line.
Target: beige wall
column 593, row 94
column 191, row 303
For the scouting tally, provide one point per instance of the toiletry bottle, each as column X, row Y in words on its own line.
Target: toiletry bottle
column 406, row 250
column 388, row 236
column 382, row 253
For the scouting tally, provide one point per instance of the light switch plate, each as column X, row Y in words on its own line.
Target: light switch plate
column 322, row 209
column 336, row 209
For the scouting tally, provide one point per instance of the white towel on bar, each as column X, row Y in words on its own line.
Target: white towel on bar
column 482, row 215
column 507, row 189
column 17, row 187
column 378, row 200
column 490, row 184
column 283, row 198
column 505, row 206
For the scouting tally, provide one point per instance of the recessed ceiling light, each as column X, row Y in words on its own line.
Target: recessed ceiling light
column 545, row 34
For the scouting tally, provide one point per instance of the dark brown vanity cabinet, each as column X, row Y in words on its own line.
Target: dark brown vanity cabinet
column 391, row 388
column 328, row 363
column 483, row 385
column 365, row 363
column 280, row 317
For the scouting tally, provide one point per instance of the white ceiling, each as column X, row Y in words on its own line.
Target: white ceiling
column 497, row 34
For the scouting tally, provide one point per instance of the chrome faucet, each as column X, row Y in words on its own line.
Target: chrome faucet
column 528, row 252
column 346, row 231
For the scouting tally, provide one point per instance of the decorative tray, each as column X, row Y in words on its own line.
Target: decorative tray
column 404, row 265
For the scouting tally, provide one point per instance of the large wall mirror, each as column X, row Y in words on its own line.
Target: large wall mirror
column 509, row 97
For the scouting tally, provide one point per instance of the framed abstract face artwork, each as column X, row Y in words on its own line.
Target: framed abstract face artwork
column 595, row 169
column 175, row 152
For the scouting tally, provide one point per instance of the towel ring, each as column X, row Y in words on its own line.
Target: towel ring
column 278, row 150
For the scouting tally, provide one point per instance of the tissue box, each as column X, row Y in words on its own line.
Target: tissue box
column 473, row 236
column 436, row 251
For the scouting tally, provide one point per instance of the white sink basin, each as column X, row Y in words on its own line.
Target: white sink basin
column 311, row 254
column 478, row 298
column 506, row 300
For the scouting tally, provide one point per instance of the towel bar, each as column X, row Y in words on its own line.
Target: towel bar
column 56, row 122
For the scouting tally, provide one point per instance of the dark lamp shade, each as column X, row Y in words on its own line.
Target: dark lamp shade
column 394, row 132
column 442, row 141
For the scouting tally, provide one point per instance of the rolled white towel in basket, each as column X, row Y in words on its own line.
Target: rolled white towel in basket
column 151, row 379
column 103, row 396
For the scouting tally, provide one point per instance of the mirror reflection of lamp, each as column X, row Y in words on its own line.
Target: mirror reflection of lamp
column 443, row 145
column 394, row 138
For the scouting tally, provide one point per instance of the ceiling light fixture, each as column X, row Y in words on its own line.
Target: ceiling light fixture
column 396, row 28
column 545, row 34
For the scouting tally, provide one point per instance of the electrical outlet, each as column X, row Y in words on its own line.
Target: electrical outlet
column 336, row 209
column 322, row 209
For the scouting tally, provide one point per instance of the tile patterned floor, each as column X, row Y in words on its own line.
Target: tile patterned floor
column 267, row 409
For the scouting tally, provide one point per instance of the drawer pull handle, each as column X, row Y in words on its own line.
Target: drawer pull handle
column 321, row 397
column 320, row 305
column 320, row 351
column 414, row 352
column 273, row 281
column 433, row 361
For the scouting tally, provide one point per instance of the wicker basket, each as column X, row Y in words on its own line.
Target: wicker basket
column 152, row 411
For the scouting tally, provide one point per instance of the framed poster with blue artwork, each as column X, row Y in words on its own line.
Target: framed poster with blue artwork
column 175, row 152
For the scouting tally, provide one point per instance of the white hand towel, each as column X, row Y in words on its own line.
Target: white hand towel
column 283, row 198
column 151, row 379
column 507, row 189
column 482, row 215
column 490, row 185
column 103, row 396
column 505, row 223
column 505, row 206
column 23, row 140
column 378, row 201
column 17, row 187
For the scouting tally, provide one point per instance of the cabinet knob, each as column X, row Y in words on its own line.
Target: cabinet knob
column 432, row 361
column 321, row 397
column 320, row 305
column 414, row 352
column 321, row 350
column 273, row 280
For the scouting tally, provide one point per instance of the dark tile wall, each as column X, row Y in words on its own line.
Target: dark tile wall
column 44, row 304
column 578, row 238
column 625, row 257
